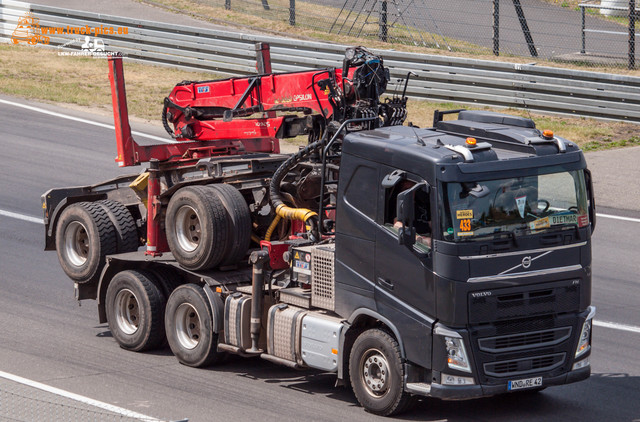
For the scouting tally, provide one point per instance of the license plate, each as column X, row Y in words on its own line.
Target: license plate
column 525, row 383
column 563, row 219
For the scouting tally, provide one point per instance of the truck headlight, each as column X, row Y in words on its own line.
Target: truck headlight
column 584, row 343
column 456, row 354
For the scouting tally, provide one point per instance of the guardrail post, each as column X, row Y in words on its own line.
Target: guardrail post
column 632, row 34
column 292, row 12
column 584, row 41
column 382, row 24
column 227, row 4
column 496, row 27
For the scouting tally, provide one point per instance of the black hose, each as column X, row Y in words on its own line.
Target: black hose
column 274, row 186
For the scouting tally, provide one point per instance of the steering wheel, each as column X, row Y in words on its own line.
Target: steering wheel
column 546, row 202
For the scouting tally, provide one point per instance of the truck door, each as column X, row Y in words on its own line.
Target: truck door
column 404, row 282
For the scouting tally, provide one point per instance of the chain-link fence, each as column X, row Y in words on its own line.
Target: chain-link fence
column 30, row 403
column 600, row 32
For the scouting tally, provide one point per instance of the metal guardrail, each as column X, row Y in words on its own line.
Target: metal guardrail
column 439, row 78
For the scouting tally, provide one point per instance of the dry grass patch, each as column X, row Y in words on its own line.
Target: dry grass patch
column 41, row 74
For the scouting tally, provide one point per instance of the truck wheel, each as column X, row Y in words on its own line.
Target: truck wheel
column 125, row 225
column 84, row 236
column 240, row 230
column 167, row 279
column 135, row 311
column 376, row 373
column 188, row 324
column 197, row 227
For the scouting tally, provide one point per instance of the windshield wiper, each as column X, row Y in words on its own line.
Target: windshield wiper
column 510, row 233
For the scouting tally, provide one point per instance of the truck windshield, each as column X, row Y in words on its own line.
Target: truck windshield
column 514, row 206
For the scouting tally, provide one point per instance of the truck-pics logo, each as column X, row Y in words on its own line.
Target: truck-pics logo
column 29, row 31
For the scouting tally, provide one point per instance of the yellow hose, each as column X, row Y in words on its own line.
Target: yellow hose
column 272, row 227
column 282, row 211
column 289, row 213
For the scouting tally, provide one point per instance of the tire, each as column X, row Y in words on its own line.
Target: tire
column 84, row 236
column 126, row 230
column 135, row 311
column 240, row 218
column 376, row 373
column 167, row 279
column 188, row 324
column 197, row 227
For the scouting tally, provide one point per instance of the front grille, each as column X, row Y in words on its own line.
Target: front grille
column 517, row 367
column 523, row 341
column 517, row 304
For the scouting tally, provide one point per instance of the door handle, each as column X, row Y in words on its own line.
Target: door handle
column 385, row 283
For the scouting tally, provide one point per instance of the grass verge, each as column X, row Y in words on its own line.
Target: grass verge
column 40, row 74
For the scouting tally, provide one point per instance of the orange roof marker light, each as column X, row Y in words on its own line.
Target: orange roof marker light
column 547, row 134
column 471, row 142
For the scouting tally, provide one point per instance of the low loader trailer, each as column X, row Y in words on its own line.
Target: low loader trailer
column 452, row 261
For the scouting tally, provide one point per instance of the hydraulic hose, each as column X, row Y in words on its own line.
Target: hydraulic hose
column 271, row 228
column 275, row 197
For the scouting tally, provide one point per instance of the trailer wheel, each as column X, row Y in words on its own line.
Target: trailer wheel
column 240, row 218
column 197, row 227
column 376, row 373
column 84, row 236
column 189, row 327
column 135, row 311
column 125, row 225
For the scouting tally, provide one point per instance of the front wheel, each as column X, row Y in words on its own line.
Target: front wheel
column 376, row 373
column 188, row 323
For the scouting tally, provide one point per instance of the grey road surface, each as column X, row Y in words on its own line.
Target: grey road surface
column 45, row 336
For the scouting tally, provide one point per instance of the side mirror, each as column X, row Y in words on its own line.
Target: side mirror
column 592, row 201
column 405, row 213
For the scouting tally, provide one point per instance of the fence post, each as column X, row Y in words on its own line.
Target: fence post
column 632, row 34
column 525, row 28
column 382, row 24
column 584, row 39
column 292, row 12
column 227, row 4
column 496, row 27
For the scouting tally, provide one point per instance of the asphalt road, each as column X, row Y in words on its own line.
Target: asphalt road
column 45, row 336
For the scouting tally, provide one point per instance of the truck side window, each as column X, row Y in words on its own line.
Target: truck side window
column 358, row 191
column 422, row 221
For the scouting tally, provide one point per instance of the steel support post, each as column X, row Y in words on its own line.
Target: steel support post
column 632, row 34
column 383, row 34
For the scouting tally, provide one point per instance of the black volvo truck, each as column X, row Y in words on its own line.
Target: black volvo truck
column 451, row 262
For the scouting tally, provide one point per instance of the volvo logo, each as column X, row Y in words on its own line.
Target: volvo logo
column 526, row 262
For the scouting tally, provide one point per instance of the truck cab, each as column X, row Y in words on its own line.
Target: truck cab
column 471, row 241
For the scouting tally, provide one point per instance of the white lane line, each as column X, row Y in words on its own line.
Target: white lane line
column 21, row 217
column 616, row 326
column 89, row 122
column 82, row 399
column 617, row 217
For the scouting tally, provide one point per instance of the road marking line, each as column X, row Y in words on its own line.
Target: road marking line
column 89, row 122
column 21, row 217
column 617, row 217
column 616, row 326
column 77, row 397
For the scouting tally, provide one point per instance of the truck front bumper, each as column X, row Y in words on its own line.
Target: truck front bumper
column 452, row 392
